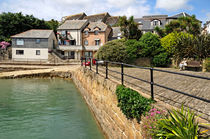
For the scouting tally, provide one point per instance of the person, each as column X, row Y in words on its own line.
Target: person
column 182, row 64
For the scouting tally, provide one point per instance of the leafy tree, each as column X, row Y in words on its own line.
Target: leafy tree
column 13, row 23
column 150, row 45
column 113, row 51
column 170, row 42
column 53, row 24
column 188, row 24
column 133, row 48
column 129, row 28
column 193, row 47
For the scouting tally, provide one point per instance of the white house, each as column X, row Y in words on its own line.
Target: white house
column 33, row 45
column 207, row 27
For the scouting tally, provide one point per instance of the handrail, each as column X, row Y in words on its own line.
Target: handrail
column 151, row 82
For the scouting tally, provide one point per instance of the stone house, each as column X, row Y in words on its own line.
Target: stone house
column 69, row 36
column 33, row 45
column 148, row 23
column 94, row 36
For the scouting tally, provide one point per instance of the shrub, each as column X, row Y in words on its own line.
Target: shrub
column 161, row 60
column 179, row 124
column 132, row 48
column 170, row 43
column 113, row 51
column 150, row 45
column 207, row 64
column 150, row 121
column 132, row 104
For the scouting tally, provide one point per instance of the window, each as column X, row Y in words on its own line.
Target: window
column 156, row 23
column 96, row 32
column 19, row 52
column 20, row 42
column 63, row 32
column 88, row 54
column 86, row 42
column 37, row 52
column 72, row 42
column 86, row 32
column 38, row 41
column 97, row 42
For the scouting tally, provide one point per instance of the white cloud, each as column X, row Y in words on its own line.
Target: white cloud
column 208, row 16
column 173, row 5
column 56, row 9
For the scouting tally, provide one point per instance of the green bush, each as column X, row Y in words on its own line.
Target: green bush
column 207, row 64
column 161, row 60
column 150, row 45
column 132, row 48
column 169, row 42
column 132, row 104
column 113, row 51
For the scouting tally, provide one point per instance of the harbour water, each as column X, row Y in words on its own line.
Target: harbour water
column 44, row 109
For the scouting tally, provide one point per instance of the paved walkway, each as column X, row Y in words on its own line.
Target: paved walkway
column 197, row 87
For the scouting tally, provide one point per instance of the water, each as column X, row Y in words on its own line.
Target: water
column 44, row 109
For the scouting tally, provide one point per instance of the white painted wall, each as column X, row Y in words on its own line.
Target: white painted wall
column 75, row 34
column 30, row 54
column 208, row 28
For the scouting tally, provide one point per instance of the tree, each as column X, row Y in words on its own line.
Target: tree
column 170, row 42
column 113, row 51
column 53, row 24
column 188, row 24
column 14, row 23
column 129, row 28
column 133, row 48
column 150, row 45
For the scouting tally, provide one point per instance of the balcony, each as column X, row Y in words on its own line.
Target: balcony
column 70, row 47
column 92, row 48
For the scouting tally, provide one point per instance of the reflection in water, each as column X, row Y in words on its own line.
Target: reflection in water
column 44, row 109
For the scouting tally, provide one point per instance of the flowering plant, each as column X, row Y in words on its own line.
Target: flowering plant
column 4, row 44
column 150, row 122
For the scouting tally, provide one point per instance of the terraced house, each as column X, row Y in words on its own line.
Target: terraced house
column 82, row 35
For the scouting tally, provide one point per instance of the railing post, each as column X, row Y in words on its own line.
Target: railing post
column 151, row 83
column 96, row 67
column 122, row 74
column 90, row 63
column 85, row 62
column 106, row 70
column 81, row 61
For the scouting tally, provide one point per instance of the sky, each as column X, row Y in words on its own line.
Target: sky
column 56, row 9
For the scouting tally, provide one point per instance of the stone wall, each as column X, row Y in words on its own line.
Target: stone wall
column 99, row 94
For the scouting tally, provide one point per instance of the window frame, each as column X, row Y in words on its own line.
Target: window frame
column 18, row 42
column 98, row 40
column 96, row 32
column 18, row 52
column 38, row 52
column 86, row 42
column 38, row 41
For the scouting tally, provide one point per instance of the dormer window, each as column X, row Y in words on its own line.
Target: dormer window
column 156, row 22
column 86, row 32
column 96, row 32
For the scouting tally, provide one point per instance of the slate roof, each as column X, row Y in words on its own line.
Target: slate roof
column 115, row 31
column 97, row 17
column 79, row 16
column 102, row 26
column 112, row 20
column 34, row 33
column 179, row 15
column 73, row 24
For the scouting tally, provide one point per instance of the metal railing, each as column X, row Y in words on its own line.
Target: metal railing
column 151, row 82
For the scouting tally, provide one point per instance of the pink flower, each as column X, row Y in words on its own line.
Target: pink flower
column 154, row 109
column 147, row 117
column 152, row 113
column 158, row 112
column 150, row 127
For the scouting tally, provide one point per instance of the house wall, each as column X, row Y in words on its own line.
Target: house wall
column 74, row 34
column 31, row 43
column 50, row 41
column 30, row 54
